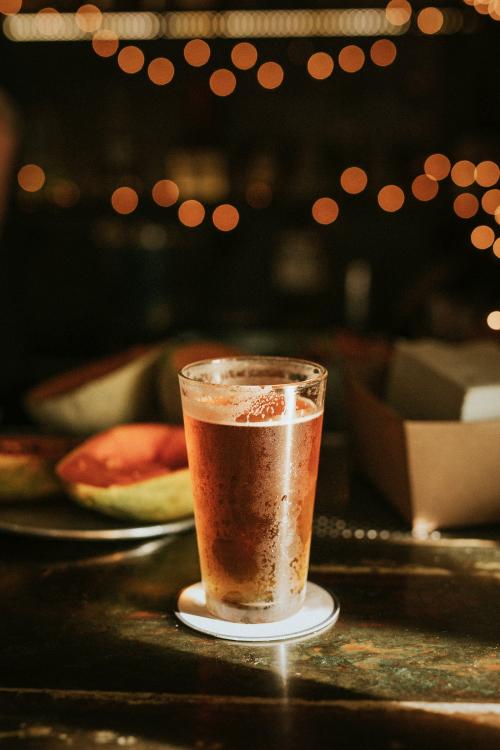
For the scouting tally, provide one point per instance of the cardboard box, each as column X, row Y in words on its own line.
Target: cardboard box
column 435, row 473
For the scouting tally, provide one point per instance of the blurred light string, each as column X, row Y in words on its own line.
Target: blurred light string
column 325, row 210
column 53, row 26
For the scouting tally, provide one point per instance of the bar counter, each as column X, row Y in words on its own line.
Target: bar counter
column 93, row 655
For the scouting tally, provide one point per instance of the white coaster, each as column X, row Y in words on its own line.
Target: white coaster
column 320, row 610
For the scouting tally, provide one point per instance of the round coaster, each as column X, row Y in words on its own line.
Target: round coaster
column 320, row 610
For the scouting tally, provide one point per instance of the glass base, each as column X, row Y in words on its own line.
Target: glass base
column 319, row 611
column 254, row 614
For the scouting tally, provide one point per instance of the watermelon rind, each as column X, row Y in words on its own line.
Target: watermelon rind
column 160, row 499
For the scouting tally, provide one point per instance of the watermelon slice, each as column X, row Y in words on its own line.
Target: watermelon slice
column 134, row 471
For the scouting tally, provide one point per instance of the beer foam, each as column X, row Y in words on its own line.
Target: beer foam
column 267, row 409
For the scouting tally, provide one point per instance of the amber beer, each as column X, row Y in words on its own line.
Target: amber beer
column 253, row 453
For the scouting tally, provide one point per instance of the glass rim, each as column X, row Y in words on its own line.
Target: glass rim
column 316, row 378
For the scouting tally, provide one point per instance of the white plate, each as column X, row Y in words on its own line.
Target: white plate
column 320, row 610
column 60, row 518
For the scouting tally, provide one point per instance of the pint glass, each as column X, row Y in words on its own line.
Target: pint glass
column 253, row 432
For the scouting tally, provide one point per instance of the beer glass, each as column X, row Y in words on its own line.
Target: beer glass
column 253, row 432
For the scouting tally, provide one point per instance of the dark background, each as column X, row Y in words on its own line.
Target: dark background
column 82, row 281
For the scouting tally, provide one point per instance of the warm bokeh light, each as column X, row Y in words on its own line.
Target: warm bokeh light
column 244, row 55
column 270, row 75
column 197, row 53
column 191, row 213
column 482, row 237
column 325, row 210
column 391, row 198
column 31, row 178
column 48, row 22
column 10, row 7
column 131, row 59
column 65, row 193
column 353, row 180
column 398, row 12
column 222, row 82
column 494, row 9
column 320, row 65
column 496, row 247
column 88, row 17
column 481, row 6
column 225, row 217
column 491, row 201
column 437, row 166
column 466, row 205
column 424, row 188
column 105, row 43
column 351, row 58
column 259, row 194
column 124, row 200
column 497, row 215
column 487, row 173
column 165, row 193
column 160, row 71
column 493, row 320
column 383, row 52
column 462, row 173
column 430, row 20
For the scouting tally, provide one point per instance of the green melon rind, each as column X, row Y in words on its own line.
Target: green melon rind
column 164, row 498
column 121, row 396
column 27, row 478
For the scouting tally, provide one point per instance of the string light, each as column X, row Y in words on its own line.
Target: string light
column 197, row 53
column 383, row 52
column 10, row 7
column 398, row 12
column 165, row 193
column 353, row 180
column 244, row 55
column 161, row 71
column 424, row 188
column 437, row 166
column 124, row 200
column 351, row 58
column 491, row 201
column 325, row 210
column 482, row 237
column 222, row 82
column 320, row 65
column 390, row 198
column 493, row 320
column 31, row 178
column 430, row 20
column 225, row 217
column 88, row 18
column 191, row 213
column 487, row 173
column 131, row 59
column 270, row 75
column 466, row 205
column 105, row 43
column 462, row 173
